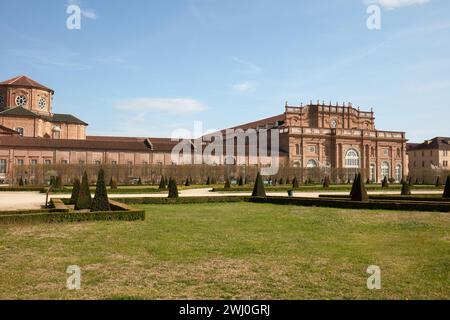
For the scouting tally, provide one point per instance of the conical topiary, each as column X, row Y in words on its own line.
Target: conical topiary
column 281, row 182
column 447, row 188
column 84, row 200
column 359, row 190
column 139, row 182
column 113, row 184
column 326, row 182
column 162, row 183
column 208, row 181
column 438, row 181
column 406, row 189
column 101, row 201
column 385, row 183
column 21, row 183
column 75, row 191
column 173, row 189
column 258, row 190
column 227, row 184
column 241, row 181
column 295, row 183
column 187, row 183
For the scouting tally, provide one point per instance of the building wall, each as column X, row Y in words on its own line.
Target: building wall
column 33, row 97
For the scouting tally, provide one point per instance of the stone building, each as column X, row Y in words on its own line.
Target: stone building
column 429, row 159
column 334, row 138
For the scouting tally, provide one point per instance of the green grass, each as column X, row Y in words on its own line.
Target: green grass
column 136, row 189
column 232, row 251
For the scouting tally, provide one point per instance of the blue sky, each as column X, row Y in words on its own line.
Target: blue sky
column 146, row 68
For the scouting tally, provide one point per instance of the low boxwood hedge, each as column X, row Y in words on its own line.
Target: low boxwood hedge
column 61, row 213
column 420, row 198
column 347, row 204
column 23, row 189
column 182, row 200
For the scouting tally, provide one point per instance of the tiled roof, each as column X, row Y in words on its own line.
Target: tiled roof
column 155, row 144
column 24, row 81
column 441, row 143
column 57, row 118
column 60, row 144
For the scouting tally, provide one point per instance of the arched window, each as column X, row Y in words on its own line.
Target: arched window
column 352, row 159
column 398, row 173
column 311, row 164
column 385, row 170
column 296, row 164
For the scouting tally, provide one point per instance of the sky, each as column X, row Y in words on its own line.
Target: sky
column 150, row 67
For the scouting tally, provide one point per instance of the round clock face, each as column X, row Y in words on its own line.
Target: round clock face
column 2, row 101
column 333, row 124
column 42, row 103
column 21, row 101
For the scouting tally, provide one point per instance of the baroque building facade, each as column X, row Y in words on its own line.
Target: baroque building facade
column 314, row 136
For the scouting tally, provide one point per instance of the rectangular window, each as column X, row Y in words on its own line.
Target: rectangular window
column 20, row 162
column 130, row 168
column 20, row 131
column 33, row 163
column 3, row 166
column 47, row 162
column 297, row 149
column 97, row 162
column 114, row 163
column 386, row 152
column 64, row 162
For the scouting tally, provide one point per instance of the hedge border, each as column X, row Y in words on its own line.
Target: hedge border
column 182, row 200
column 122, row 212
column 347, row 204
column 416, row 198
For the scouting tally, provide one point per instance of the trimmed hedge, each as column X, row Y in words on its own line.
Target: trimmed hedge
column 23, row 189
column 61, row 213
column 183, row 200
column 347, row 204
column 420, row 198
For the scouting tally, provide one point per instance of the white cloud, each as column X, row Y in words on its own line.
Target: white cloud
column 170, row 105
column 248, row 66
column 393, row 4
column 243, row 87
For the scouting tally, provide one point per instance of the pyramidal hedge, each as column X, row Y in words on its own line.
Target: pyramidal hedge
column 173, row 189
column 359, row 190
column 447, row 188
column 75, row 191
column 101, row 201
column 258, row 190
column 84, row 200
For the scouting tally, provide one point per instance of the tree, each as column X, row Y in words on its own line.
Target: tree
column 295, row 183
column 385, row 183
column 447, row 188
column 241, row 181
column 84, row 200
column 406, row 189
column 359, row 190
column 101, row 201
column 162, row 183
column 227, row 184
column 173, row 189
column 258, row 190
column 75, row 191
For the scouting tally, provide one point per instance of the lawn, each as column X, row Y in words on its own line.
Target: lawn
column 232, row 251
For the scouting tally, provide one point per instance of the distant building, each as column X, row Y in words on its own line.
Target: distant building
column 429, row 159
column 332, row 138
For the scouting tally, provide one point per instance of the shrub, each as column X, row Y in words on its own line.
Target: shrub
column 208, row 181
column 406, row 189
column 101, row 201
column 241, row 181
column 187, row 183
column 139, row 182
column 438, row 181
column 162, row 183
column 447, row 188
column 21, row 184
column 75, row 191
column 227, row 184
column 84, row 200
column 359, row 190
column 295, row 183
column 58, row 183
column 258, row 190
column 173, row 190
column 385, row 183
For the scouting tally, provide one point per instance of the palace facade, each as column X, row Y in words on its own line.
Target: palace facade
column 316, row 135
